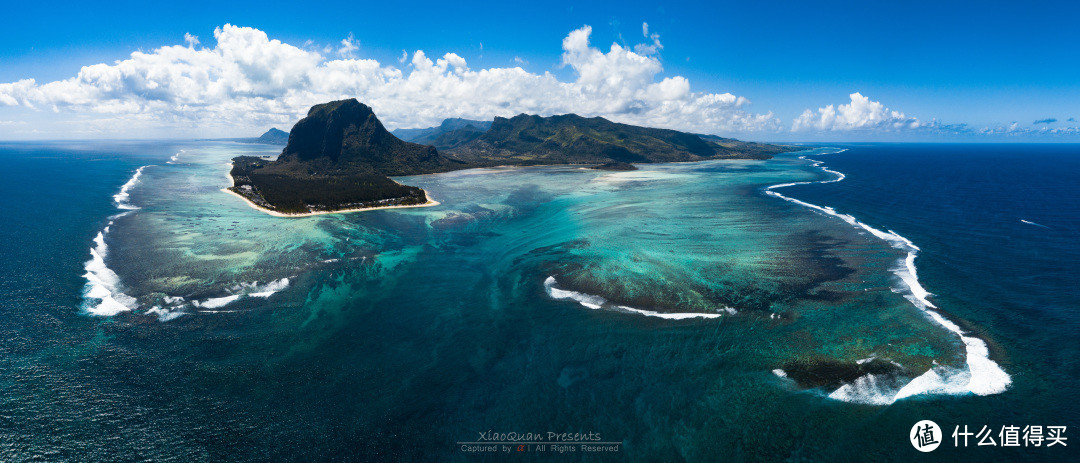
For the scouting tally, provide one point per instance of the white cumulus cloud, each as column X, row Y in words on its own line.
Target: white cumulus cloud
column 191, row 40
column 248, row 81
column 647, row 49
column 859, row 114
column 348, row 47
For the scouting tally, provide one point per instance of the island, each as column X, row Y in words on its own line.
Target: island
column 615, row 165
column 340, row 157
column 274, row 136
column 429, row 135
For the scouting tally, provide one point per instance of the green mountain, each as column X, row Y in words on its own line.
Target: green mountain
column 341, row 157
column 457, row 137
column 428, row 136
column 338, row 157
column 345, row 136
column 572, row 139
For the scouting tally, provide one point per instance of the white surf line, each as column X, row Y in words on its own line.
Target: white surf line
column 597, row 302
column 175, row 157
column 175, row 306
column 102, row 283
column 1035, row 224
column 122, row 197
column 243, row 290
column 103, row 296
column 983, row 376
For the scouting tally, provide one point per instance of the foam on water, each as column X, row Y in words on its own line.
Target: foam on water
column 102, row 294
column 983, row 376
column 597, row 302
column 270, row 288
column 216, row 302
column 122, row 197
column 165, row 314
column 867, row 389
column 243, row 290
column 175, row 157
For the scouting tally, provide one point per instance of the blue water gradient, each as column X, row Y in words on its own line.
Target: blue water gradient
column 530, row 299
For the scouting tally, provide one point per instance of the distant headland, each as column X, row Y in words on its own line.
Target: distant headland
column 339, row 158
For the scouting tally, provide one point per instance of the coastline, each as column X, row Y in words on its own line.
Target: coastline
column 430, row 202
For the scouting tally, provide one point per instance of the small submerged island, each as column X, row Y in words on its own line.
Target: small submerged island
column 340, row 158
column 615, row 165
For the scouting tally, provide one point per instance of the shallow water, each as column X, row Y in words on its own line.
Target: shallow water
column 397, row 333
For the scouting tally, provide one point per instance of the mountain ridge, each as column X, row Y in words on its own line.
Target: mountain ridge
column 340, row 156
column 428, row 135
column 274, row 136
column 569, row 139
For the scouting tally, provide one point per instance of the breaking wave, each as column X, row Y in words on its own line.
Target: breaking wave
column 175, row 157
column 982, row 376
column 102, row 294
column 597, row 302
column 170, row 307
column 122, row 197
column 243, row 290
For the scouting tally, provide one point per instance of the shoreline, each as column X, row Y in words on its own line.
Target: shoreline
column 228, row 174
column 591, row 165
column 430, row 202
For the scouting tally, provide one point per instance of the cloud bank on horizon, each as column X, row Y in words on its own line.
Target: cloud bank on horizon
column 859, row 114
column 251, row 80
column 248, row 81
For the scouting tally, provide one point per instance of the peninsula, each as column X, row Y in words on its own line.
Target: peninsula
column 340, row 157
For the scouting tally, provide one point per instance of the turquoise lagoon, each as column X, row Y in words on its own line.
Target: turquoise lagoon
column 688, row 311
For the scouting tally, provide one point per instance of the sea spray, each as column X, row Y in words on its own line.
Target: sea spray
column 123, row 196
column 242, row 290
column 175, row 157
column 102, row 294
column 596, row 302
column 982, row 377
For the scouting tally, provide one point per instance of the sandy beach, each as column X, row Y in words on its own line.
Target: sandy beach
column 430, row 202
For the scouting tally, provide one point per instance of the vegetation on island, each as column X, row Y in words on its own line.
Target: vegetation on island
column 294, row 191
column 338, row 157
column 572, row 139
column 341, row 157
column 273, row 136
column 615, row 165
column 431, row 135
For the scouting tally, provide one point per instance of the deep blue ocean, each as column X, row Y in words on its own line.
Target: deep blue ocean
column 662, row 309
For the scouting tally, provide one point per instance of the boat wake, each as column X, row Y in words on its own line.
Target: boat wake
column 1035, row 224
column 982, row 375
column 597, row 302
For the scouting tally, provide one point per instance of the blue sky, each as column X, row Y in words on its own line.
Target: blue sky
column 920, row 68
